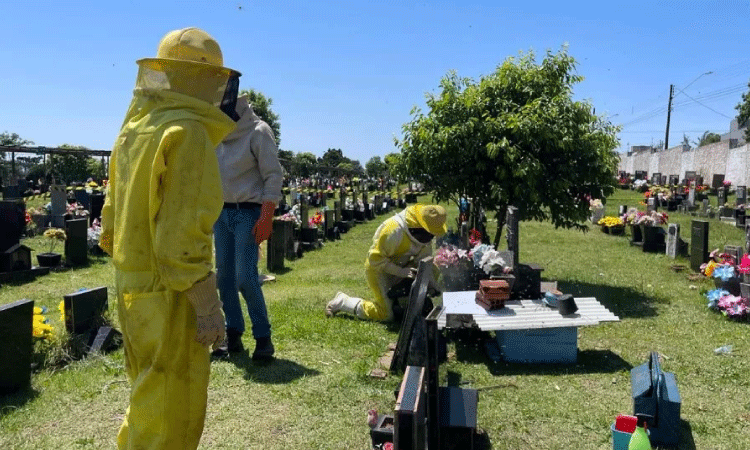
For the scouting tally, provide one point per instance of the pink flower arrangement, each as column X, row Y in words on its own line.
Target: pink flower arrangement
column 451, row 256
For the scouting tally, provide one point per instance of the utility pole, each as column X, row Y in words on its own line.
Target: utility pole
column 669, row 112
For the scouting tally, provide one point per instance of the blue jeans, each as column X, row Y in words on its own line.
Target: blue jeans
column 237, row 270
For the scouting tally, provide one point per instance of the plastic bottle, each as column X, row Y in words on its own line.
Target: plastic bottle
column 639, row 440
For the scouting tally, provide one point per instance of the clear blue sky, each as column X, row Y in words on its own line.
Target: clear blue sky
column 345, row 74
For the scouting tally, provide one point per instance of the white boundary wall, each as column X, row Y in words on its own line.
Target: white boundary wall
column 706, row 161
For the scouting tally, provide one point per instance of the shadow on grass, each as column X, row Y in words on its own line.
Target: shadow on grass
column 622, row 301
column 686, row 436
column 276, row 371
column 281, row 271
column 16, row 400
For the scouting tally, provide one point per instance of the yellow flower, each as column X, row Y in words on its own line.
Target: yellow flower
column 709, row 271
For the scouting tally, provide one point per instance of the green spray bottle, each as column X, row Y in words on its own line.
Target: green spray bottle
column 639, row 440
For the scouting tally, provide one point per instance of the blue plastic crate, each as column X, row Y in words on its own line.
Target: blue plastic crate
column 543, row 345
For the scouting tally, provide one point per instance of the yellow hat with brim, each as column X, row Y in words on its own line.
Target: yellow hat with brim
column 432, row 218
column 188, row 46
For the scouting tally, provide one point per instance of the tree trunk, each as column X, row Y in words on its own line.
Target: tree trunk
column 500, row 215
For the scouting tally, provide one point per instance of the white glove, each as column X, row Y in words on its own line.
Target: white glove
column 210, row 320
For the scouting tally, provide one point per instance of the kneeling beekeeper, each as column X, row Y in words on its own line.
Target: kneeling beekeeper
column 398, row 245
column 164, row 197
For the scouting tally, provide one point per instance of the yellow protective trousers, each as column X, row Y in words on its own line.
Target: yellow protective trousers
column 380, row 307
column 167, row 369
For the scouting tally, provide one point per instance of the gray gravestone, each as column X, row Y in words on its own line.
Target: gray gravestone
column 721, row 197
column 651, row 206
column 691, row 196
column 465, row 234
column 704, row 207
column 673, row 240
column 698, row 244
column 59, row 205
column 741, row 195
column 736, row 252
column 623, row 210
column 717, row 181
column 656, row 178
column 76, row 241
column 674, row 180
column 664, row 180
column 511, row 223
column 337, row 211
column 16, row 344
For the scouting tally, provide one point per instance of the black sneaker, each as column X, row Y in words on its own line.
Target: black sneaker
column 263, row 349
column 234, row 341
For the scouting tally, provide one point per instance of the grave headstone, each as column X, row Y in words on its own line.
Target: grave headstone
column 674, row 180
column 691, row 196
column 59, row 199
column 673, row 240
column 84, row 310
column 12, row 223
column 736, row 252
column 11, row 192
column 721, row 197
column 623, row 210
column 16, row 345
column 740, row 218
column 664, row 180
column 704, row 207
column 741, row 195
column 465, row 234
column 83, row 198
column 76, row 241
column 690, row 175
column 698, row 244
column 656, row 178
column 275, row 247
column 511, row 222
column 97, row 202
column 717, row 181
column 329, row 221
column 651, row 205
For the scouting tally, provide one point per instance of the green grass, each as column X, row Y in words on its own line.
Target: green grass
column 316, row 394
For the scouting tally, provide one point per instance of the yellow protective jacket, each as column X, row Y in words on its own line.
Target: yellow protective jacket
column 164, row 188
column 394, row 250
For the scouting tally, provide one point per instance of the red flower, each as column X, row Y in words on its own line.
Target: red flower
column 28, row 217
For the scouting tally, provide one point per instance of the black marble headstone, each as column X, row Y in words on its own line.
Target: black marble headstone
column 674, row 180
column 97, row 202
column 12, row 223
column 741, row 195
column 16, row 327
column 717, row 181
column 76, row 241
column 698, row 244
column 84, row 309
column 11, row 192
column 275, row 247
column 511, row 222
column 83, row 198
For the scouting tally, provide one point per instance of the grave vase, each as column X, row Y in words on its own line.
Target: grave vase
column 49, row 259
column 732, row 285
column 635, row 233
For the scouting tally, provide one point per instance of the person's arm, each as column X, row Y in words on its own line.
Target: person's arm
column 263, row 146
column 386, row 245
column 186, row 200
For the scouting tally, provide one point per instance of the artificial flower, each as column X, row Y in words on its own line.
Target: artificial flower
column 724, row 271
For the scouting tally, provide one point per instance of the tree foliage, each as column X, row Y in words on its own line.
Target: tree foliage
column 708, row 138
column 743, row 112
column 68, row 168
column 515, row 137
column 12, row 140
column 375, row 167
column 333, row 157
column 262, row 107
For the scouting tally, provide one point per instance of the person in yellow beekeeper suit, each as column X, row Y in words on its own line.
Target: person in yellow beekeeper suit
column 398, row 245
column 163, row 200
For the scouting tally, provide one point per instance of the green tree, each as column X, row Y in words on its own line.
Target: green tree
column 304, row 164
column 333, row 157
column 391, row 161
column 10, row 140
column 376, row 167
column 743, row 112
column 357, row 167
column 67, row 168
column 707, row 138
column 262, row 107
column 515, row 137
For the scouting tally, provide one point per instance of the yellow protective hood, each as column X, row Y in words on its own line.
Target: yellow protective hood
column 430, row 217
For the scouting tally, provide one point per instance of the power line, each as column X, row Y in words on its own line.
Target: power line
column 707, row 107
